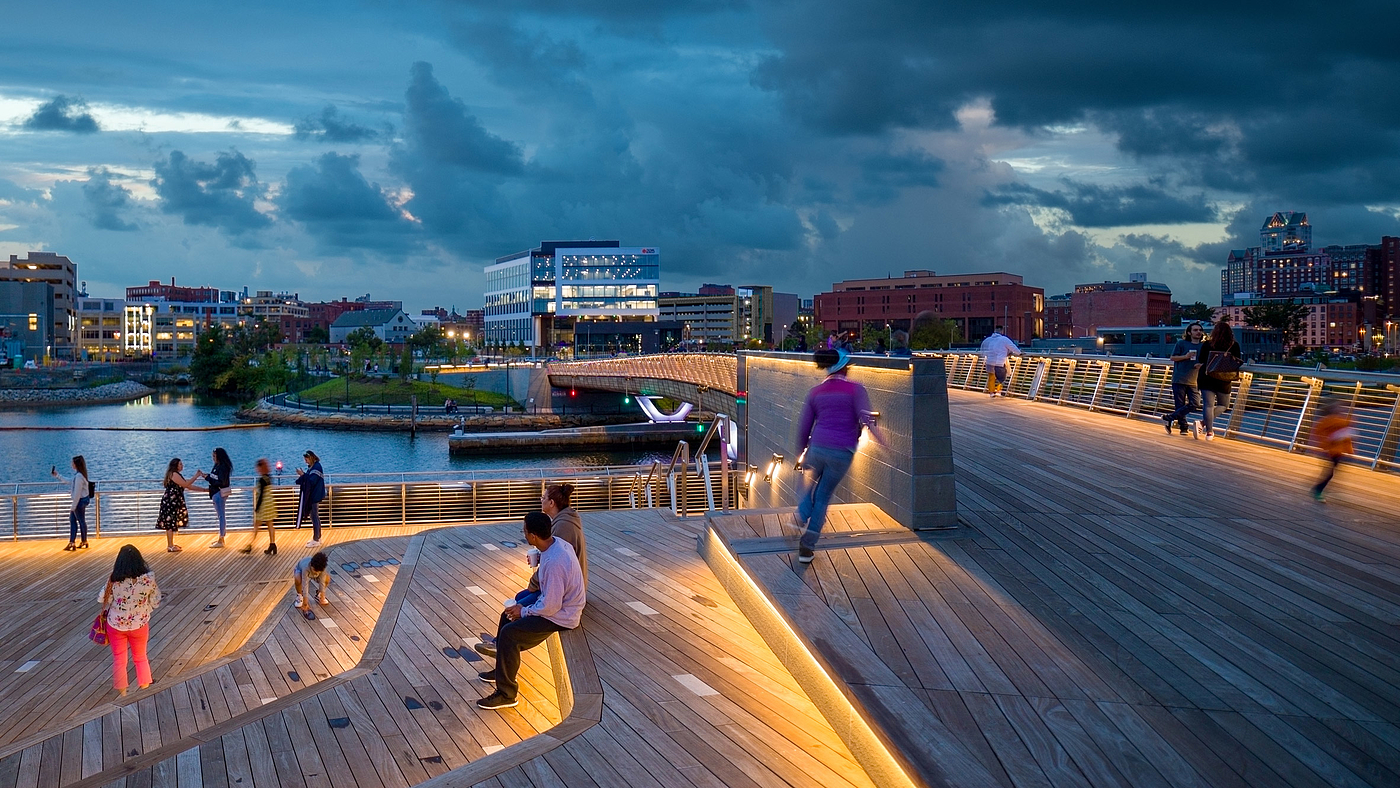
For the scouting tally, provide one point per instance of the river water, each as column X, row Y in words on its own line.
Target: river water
column 26, row 455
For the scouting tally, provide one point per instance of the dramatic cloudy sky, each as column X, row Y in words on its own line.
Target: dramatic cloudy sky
column 339, row 148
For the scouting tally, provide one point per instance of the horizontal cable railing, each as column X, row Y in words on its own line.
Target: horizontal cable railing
column 130, row 507
column 1275, row 405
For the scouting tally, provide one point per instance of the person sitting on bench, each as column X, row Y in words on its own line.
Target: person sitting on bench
column 558, row 608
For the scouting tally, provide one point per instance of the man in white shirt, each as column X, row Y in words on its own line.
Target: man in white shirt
column 559, row 607
column 995, row 350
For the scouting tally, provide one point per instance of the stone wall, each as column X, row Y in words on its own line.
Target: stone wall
column 911, row 479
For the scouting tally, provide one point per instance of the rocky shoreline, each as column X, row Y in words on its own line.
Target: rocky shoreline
column 108, row 393
column 491, row 422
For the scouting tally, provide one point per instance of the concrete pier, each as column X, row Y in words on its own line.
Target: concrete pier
column 616, row 436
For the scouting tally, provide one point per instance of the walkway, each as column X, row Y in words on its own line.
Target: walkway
column 1126, row 608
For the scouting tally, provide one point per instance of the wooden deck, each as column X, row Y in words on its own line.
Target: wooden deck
column 1125, row 608
column 691, row 695
column 1121, row 608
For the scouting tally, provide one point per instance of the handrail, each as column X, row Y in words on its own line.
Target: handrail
column 400, row 502
column 1271, row 404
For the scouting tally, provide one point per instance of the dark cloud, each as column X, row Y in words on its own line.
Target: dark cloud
column 886, row 175
column 442, row 127
column 62, row 113
column 1091, row 205
column 330, row 126
column 220, row 195
column 341, row 208
column 107, row 202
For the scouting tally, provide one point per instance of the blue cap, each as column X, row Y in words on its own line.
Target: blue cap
column 842, row 359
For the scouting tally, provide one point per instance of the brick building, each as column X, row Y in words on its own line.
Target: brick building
column 321, row 315
column 1136, row 302
column 1059, row 317
column 1334, row 323
column 978, row 303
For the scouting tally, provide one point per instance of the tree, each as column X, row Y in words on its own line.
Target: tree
column 1198, row 311
column 934, row 334
column 406, row 362
column 318, row 335
column 212, row 356
column 428, row 339
column 1287, row 317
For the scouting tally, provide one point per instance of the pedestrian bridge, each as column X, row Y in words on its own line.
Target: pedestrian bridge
column 1116, row 607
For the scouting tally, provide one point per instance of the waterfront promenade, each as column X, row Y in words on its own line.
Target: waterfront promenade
column 1119, row 608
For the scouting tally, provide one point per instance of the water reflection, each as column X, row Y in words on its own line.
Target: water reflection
column 143, row 455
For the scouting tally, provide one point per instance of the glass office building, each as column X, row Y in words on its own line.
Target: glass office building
column 536, row 298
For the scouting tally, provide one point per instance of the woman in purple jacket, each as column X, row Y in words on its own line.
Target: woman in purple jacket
column 829, row 432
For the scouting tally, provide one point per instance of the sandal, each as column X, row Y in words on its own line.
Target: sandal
column 247, row 550
column 174, row 549
column 83, row 546
column 69, row 548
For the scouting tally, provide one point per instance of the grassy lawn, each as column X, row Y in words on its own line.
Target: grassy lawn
column 373, row 391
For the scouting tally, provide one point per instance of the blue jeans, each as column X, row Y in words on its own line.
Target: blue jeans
column 828, row 467
column 313, row 509
column 219, row 502
column 77, row 518
column 1215, row 401
column 1187, row 399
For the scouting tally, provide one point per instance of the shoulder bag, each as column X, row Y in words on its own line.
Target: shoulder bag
column 1223, row 366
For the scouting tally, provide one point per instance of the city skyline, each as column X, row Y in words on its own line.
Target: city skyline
column 414, row 146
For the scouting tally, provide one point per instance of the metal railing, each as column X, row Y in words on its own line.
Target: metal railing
column 1274, row 405
column 131, row 506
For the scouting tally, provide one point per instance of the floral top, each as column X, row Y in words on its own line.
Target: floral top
column 132, row 602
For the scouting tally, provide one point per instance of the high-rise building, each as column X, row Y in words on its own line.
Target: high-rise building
column 1286, row 231
column 537, row 298
column 60, row 273
column 978, row 303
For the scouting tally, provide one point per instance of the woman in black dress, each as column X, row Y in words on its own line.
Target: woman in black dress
column 173, row 515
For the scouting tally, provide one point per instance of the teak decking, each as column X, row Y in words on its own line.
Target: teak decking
column 1121, row 608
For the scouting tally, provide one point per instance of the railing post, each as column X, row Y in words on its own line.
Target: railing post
column 1140, row 391
column 1385, row 452
column 1098, row 387
column 1303, row 428
column 1071, row 365
column 97, row 515
column 1042, row 365
column 1237, row 407
column 403, row 503
column 14, row 514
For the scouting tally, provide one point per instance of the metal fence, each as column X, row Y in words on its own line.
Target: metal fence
column 131, row 506
column 1274, row 405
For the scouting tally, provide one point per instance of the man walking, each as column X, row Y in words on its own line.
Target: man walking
column 558, row 608
column 995, row 350
column 1185, row 367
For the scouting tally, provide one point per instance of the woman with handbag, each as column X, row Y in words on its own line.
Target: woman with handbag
column 81, row 496
column 218, row 481
column 1220, row 367
column 127, row 601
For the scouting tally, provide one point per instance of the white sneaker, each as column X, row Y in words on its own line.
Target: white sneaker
column 1210, row 436
column 1196, row 430
column 314, row 543
column 297, row 601
column 217, row 543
